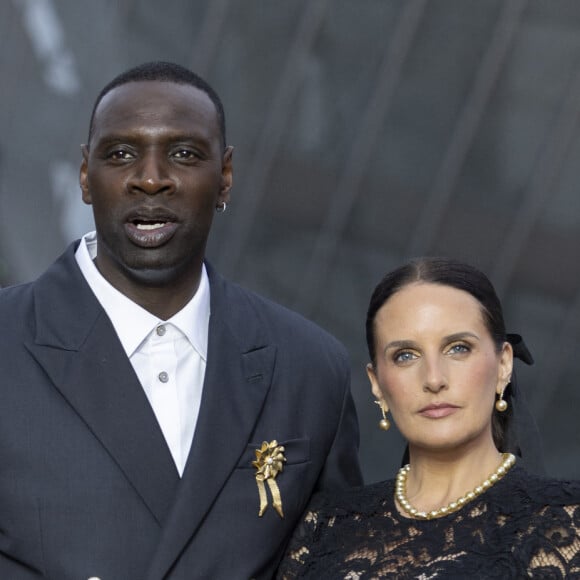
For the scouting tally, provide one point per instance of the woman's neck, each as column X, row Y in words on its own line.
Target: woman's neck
column 437, row 479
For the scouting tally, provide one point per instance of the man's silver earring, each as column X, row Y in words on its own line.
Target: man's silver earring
column 221, row 208
column 500, row 404
column 384, row 423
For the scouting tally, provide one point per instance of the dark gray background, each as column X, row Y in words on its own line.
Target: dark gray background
column 365, row 132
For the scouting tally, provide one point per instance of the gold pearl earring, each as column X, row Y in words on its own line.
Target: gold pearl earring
column 384, row 423
column 500, row 404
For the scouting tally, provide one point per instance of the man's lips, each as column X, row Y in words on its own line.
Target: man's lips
column 437, row 411
column 150, row 229
column 151, row 226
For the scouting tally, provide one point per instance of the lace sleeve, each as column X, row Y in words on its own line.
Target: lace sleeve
column 555, row 546
column 301, row 545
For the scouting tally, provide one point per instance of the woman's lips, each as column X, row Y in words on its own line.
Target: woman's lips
column 438, row 411
column 150, row 234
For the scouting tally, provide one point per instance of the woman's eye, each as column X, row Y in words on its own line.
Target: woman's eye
column 459, row 349
column 404, row 356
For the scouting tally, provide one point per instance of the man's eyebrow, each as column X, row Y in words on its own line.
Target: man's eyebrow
column 112, row 138
column 116, row 137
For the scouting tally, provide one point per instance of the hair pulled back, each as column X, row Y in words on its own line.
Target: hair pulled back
column 456, row 274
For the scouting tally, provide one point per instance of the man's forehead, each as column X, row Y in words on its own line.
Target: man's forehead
column 155, row 101
column 141, row 95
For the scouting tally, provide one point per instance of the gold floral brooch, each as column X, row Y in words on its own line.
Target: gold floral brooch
column 269, row 463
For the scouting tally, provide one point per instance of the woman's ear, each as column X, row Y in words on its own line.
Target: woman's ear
column 506, row 364
column 371, row 374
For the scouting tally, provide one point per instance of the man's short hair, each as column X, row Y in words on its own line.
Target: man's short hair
column 169, row 72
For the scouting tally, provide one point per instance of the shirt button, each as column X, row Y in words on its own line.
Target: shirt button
column 163, row 376
column 161, row 330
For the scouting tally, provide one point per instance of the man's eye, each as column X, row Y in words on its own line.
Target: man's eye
column 120, row 155
column 184, row 154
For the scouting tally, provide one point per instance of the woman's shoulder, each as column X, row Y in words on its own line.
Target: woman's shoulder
column 360, row 499
column 543, row 490
column 540, row 517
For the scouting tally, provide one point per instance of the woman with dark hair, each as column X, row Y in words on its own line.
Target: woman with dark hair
column 464, row 506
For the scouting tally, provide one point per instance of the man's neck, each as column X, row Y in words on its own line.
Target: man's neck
column 161, row 300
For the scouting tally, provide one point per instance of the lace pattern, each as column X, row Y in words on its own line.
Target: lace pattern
column 523, row 527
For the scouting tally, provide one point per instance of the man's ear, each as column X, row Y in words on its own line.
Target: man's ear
column 227, row 175
column 83, row 175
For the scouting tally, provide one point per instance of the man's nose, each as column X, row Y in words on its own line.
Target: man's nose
column 152, row 177
column 435, row 378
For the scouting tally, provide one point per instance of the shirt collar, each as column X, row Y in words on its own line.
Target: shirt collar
column 132, row 322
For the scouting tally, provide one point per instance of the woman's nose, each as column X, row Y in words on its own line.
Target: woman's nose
column 435, row 378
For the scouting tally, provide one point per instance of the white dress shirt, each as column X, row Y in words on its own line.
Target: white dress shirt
column 169, row 356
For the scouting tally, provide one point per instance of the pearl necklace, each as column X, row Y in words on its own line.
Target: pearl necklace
column 508, row 461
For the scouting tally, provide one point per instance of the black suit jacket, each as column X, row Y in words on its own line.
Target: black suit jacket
column 87, row 483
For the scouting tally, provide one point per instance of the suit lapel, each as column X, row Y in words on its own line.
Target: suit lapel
column 78, row 348
column 238, row 376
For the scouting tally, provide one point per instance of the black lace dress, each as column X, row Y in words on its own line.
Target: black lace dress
column 522, row 527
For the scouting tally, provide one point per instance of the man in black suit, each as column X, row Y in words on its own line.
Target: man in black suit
column 156, row 421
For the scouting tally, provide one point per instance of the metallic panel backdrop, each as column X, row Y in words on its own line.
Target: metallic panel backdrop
column 365, row 132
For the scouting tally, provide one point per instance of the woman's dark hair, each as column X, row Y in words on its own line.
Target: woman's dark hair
column 447, row 272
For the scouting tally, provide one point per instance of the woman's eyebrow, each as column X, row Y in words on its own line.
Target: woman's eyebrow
column 446, row 339
column 400, row 344
column 460, row 336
